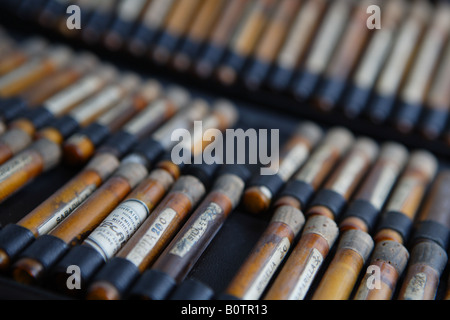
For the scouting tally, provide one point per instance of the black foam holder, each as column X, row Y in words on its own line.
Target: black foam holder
column 192, row 289
column 355, row 101
column 153, row 285
column 209, row 59
column 87, row 259
column 381, row 108
column 119, row 144
column 256, row 73
column 305, row 84
column 14, row 239
column 330, row 199
column 47, row 250
column 280, row 78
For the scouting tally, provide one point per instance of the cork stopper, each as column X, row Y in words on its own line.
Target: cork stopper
column 179, row 96
column 163, row 177
column 429, row 253
column 311, row 131
column 290, row 216
column 198, row 109
column 190, row 186
column 129, row 81
column 16, row 139
column 340, row 138
column 85, row 61
column 231, row 186
column 50, row 152
column 227, row 111
column 60, row 55
column 107, row 72
column 359, row 241
column 132, row 172
column 393, row 151
column 425, row 162
column 150, row 89
column 104, row 164
column 367, row 146
column 393, row 253
column 323, row 226
column 34, row 46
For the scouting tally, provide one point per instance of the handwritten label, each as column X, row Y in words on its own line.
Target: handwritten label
column 315, row 164
column 197, row 230
column 313, row 264
column 416, row 287
column 20, row 73
column 292, row 161
column 151, row 237
column 72, row 95
column 402, row 192
column 62, row 212
column 350, row 171
column 384, row 185
column 14, row 165
column 260, row 283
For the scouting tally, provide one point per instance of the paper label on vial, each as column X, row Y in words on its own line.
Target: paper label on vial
column 98, row 104
column 118, row 227
column 329, row 36
column 374, row 59
column 129, row 10
column 146, row 117
column 197, row 230
column 350, row 171
column 259, row 284
column 65, row 210
column 292, row 161
column 416, row 88
column 14, row 165
column 393, row 71
column 72, row 95
column 151, row 237
column 383, row 187
column 416, row 287
column 20, row 73
column 311, row 169
column 313, row 264
column 402, row 192
column 156, row 13
column 295, row 45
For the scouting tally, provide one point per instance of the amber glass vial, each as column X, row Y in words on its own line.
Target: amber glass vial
column 149, row 241
column 321, row 231
column 185, row 249
column 287, row 221
column 390, row 254
column 37, row 259
column 429, row 243
column 258, row 196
